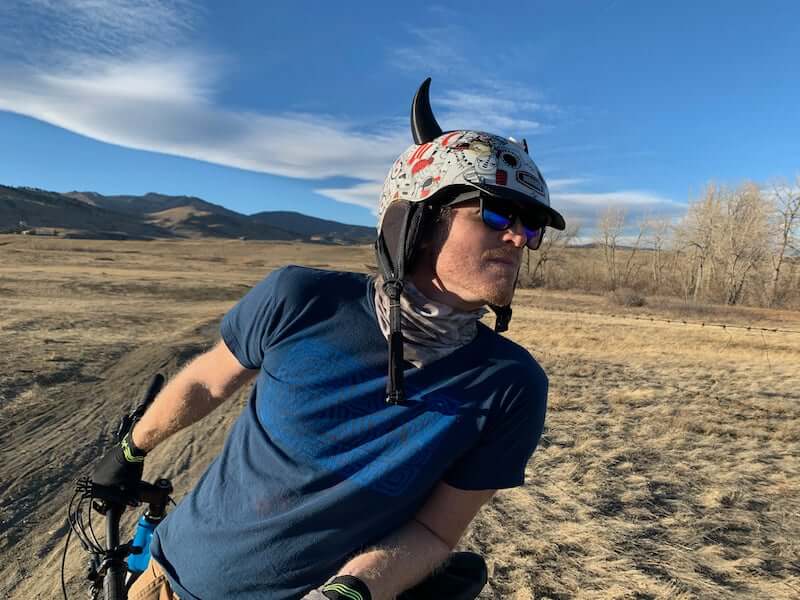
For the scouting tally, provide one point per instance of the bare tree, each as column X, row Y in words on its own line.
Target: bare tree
column 658, row 232
column 554, row 241
column 696, row 233
column 609, row 230
column 786, row 225
column 631, row 267
column 743, row 243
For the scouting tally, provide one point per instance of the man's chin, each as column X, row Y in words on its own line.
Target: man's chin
column 499, row 295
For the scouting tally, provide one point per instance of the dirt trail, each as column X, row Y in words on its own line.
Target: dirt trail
column 58, row 431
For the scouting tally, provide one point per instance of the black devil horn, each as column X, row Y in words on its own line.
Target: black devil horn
column 424, row 127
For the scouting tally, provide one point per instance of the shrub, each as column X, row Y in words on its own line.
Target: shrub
column 627, row 297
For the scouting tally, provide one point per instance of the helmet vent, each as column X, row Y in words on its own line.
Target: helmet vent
column 510, row 160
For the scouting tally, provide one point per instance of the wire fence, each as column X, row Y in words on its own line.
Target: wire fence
column 725, row 326
column 705, row 324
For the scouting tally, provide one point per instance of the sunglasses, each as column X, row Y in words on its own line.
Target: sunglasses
column 501, row 215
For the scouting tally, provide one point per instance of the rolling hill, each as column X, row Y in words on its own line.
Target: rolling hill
column 93, row 215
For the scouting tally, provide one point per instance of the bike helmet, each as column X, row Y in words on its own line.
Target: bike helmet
column 437, row 168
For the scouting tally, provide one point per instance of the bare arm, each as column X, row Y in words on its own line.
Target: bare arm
column 412, row 553
column 193, row 393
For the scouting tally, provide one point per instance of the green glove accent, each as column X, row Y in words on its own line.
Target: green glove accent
column 121, row 466
column 129, row 450
column 346, row 587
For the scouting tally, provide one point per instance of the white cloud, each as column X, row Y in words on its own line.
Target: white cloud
column 361, row 194
column 120, row 71
column 586, row 207
column 560, row 184
column 64, row 29
column 433, row 50
column 163, row 106
column 487, row 103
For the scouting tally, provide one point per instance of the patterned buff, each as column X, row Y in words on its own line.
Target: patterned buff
column 431, row 329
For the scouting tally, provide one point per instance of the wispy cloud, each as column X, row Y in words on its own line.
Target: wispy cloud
column 586, row 207
column 434, row 50
column 66, row 29
column 362, row 194
column 564, row 184
column 105, row 85
column 163, row 106
column 490, row 104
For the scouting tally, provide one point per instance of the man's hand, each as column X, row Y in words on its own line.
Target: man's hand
column 121, row 466
column 341, row 587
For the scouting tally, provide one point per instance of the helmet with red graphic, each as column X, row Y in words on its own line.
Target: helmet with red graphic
column 437, row 169
column 448, row 163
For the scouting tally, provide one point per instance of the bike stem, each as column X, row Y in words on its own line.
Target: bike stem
column 114, row 560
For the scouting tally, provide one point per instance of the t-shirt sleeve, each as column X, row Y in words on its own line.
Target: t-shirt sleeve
column 250, row 326
column 507, row 442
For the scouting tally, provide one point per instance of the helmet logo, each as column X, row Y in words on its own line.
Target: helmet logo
column 530, row 180
column 501, row 177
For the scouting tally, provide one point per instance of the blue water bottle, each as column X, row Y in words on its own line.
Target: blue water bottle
column 137, row 563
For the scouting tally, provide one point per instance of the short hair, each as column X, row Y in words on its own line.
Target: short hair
column 435, row 227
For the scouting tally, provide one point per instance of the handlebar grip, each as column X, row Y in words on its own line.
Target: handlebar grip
column 155, row 387
column 152, row 392
column 128, row 420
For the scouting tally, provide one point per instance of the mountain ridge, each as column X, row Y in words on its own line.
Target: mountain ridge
column 89, row 214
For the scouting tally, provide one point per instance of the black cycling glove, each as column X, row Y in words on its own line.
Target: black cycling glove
column 341, row 587
column 121, row 466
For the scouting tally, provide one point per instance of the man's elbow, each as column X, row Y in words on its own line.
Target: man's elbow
column 447, row 542
column 219, row 373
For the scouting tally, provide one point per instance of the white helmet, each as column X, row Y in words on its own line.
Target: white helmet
column 462, row 160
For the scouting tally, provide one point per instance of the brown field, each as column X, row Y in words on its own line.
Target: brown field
column 670, row 466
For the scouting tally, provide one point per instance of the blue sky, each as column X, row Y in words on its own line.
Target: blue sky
column 304, row 105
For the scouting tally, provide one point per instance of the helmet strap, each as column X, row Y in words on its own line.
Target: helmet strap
column 392, row 263
column 503, row 317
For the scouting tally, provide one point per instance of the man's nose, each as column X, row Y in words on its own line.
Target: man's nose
column 516, row 234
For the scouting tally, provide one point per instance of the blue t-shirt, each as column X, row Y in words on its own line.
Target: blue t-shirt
column 318, row 466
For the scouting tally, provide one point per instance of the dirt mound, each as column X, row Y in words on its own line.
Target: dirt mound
column 57, row 430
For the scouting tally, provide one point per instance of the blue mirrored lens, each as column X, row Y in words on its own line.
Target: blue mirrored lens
column 534, row 237
column 495, row 220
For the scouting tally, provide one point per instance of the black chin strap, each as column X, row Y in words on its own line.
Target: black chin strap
column 503, row 317
column 395, row 392
column 393, row 287
column 503, row 313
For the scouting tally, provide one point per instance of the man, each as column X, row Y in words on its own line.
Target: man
column 336, row 481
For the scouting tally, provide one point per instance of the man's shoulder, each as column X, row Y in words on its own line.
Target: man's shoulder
column 508, row 355
column 297, row 281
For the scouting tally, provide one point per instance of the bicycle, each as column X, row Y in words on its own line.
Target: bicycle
column 115, row 566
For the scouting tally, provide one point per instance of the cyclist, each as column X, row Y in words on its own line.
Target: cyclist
column 336, row 481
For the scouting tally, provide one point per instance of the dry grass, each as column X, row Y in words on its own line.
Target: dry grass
column 668, row 469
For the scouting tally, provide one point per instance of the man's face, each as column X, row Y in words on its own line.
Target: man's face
column 476, row 265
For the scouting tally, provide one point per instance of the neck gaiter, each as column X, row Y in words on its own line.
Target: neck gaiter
column 431, row 330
